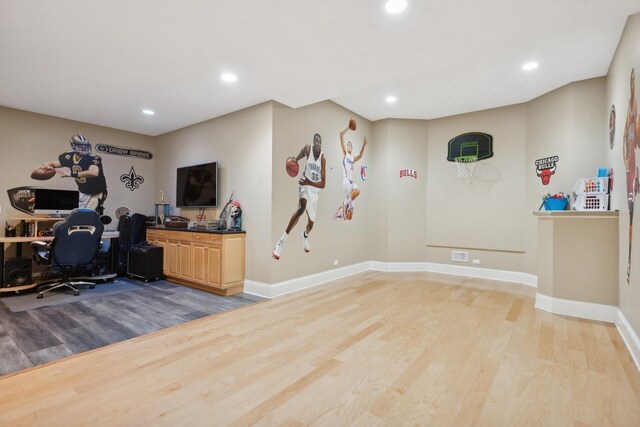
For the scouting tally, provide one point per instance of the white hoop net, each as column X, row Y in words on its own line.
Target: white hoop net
column 465, row 165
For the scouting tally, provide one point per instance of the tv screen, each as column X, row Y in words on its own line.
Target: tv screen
column 50, row 201
column 197, row 186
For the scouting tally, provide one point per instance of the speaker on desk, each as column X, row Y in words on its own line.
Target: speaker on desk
column 17, row 272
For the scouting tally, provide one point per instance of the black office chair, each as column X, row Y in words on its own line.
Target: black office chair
column 73, row 250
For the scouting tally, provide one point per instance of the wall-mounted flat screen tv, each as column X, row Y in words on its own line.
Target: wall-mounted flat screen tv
column 49, row 201
column 197, row 186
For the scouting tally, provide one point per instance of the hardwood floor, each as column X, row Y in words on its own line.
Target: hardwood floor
column 372, row 349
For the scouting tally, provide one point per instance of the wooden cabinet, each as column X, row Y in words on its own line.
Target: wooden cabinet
column 208, row 261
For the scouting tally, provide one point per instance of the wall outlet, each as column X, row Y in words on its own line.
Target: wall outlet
column 476, row 261
column 336, row 262
column 459, row 256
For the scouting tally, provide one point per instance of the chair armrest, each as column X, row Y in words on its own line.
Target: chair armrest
column 39, row 245
column 41, row 252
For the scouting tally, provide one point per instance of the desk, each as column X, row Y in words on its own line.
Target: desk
column 26, row 239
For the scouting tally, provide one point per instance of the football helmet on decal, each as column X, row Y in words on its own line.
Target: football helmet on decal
column 80, row 144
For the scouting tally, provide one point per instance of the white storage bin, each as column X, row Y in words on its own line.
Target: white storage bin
column 591, row 186
column 591, row 202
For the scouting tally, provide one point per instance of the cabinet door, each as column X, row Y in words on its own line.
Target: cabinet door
column 233, row 261
column 214, row 258
column 173, row 258
column 185, row 260
column 199, row 262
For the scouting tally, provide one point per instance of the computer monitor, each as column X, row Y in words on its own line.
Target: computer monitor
column 55, row 202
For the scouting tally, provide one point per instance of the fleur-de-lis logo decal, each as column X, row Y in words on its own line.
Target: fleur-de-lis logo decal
column 131, row 180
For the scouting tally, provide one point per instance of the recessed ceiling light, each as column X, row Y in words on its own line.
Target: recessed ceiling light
column 390, row 99
column 395, row 6
column 148, row 112
column 530, row 66
column 229, row 78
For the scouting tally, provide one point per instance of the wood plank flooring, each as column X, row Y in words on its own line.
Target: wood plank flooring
column 373, row 349
column 41, row 335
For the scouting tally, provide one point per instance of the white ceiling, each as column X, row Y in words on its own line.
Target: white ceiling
column 102, row 62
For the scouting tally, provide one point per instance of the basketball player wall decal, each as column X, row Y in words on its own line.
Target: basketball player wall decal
column 349, row 187
column 631, row 142
column 309, row 185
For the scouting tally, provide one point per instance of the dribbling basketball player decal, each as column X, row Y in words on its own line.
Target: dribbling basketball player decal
column 309, row 185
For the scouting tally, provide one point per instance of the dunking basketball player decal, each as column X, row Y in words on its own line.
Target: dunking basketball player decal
column 630, row 142
column 87, row 171
column 312, row 181
column 351, row 190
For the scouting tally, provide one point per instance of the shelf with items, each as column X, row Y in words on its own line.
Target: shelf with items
column 32, row 222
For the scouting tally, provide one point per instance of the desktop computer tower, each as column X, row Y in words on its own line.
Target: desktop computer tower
column 17, row 272
column 145, row 262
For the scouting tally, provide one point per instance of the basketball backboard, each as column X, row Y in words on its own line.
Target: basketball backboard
column 471, row 144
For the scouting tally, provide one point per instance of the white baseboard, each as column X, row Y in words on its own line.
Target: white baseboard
column 288, row 286
column 459, row 270
column 581, row 309
column 305, row 282
column 629, row 337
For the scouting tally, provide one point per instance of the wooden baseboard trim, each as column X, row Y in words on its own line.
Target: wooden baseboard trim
column 224, row 292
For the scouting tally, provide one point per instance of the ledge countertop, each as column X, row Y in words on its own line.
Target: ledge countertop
column 194, row 230
column 576, row 214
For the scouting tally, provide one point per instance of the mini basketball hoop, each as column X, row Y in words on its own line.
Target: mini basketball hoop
column 465, row 165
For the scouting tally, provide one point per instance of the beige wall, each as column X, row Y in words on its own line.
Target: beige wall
column 567, row 123
column 401, row 144
column 380, row 189
column 348, row 242
column 491, row 218
column 241, row 143
column 484, row 212
column 30, row 139
column 627, row 57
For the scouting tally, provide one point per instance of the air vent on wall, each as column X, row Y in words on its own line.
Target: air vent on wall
column 459, row 256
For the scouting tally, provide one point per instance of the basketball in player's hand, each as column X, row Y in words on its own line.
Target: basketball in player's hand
column 292, row 167
column 352, row 124
column 43, row 173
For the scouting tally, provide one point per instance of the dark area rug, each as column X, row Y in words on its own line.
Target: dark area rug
column 28, row 301
column 110, row 313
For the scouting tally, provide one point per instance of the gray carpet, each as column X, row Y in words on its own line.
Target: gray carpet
column 28, row 301
column 41, row 335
